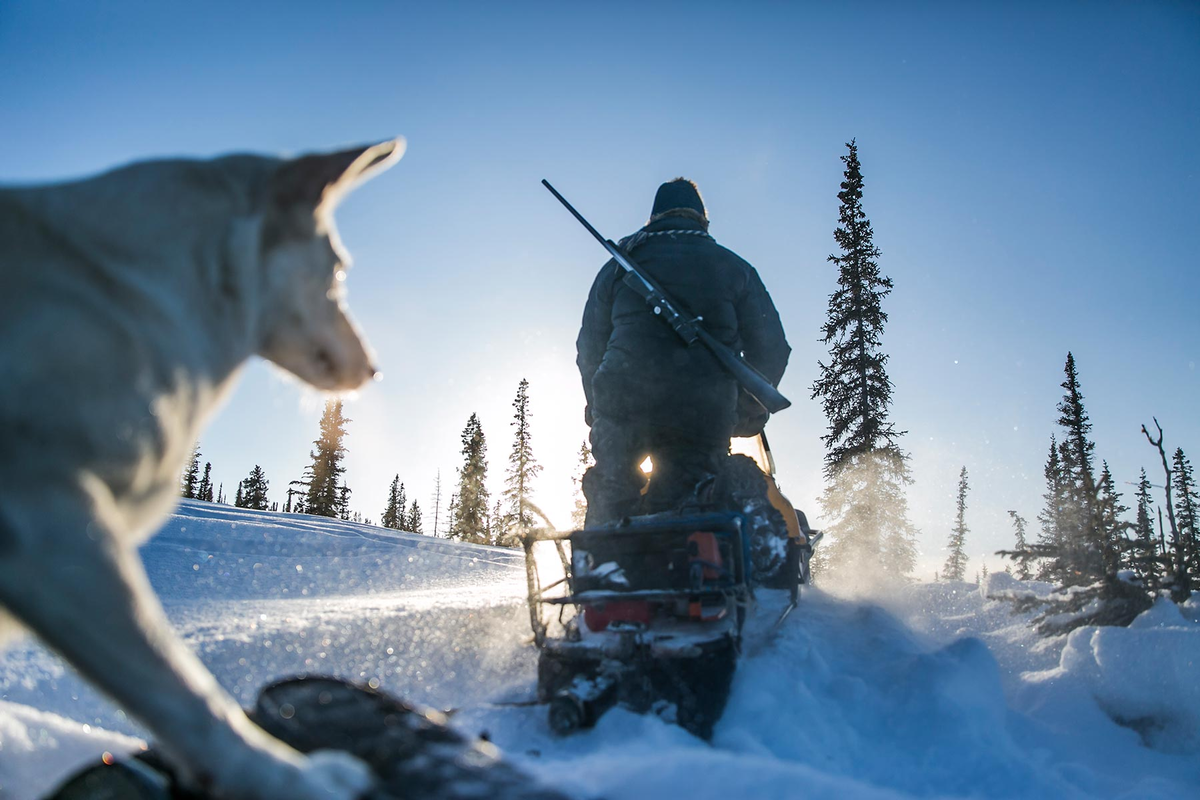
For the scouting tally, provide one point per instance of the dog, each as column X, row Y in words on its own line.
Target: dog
column 130, row 301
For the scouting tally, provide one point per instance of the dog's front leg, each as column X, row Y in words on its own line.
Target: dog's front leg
column 86, row 594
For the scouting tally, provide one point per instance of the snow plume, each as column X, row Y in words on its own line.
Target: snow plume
column 869, row 543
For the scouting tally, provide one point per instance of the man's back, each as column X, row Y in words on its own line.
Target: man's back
column 648, row 393
column 635, row 366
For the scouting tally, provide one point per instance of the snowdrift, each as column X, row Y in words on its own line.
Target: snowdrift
column 929, row 691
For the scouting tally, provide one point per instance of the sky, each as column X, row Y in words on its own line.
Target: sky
column 1031, row 174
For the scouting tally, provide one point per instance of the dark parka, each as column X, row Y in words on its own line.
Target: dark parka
column 635, row 367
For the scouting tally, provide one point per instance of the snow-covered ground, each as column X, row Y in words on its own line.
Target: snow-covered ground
column 931, row 692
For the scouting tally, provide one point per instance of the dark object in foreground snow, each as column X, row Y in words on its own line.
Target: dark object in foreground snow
column 414, row 753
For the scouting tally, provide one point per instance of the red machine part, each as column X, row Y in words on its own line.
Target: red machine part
column 703, row 548
column 598, row 617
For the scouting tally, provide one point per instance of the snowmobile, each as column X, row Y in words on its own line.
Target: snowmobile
column 648, row 612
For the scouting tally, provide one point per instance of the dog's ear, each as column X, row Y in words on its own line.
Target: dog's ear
column 322, row 179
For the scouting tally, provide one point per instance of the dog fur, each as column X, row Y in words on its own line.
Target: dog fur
column 129, row 303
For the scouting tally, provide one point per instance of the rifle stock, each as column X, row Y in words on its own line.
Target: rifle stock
column 684, row 324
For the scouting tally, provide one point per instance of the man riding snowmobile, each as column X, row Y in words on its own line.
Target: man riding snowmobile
column 680, row 349
column 650, row 394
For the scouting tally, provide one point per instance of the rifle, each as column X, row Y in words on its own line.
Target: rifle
column 684, row 324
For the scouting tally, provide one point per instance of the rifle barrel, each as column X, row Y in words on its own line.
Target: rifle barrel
column 577, row 215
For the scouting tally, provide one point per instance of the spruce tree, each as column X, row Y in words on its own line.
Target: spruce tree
column 1111, row 529
column 469, row 507
column 451, row 510
column 579, row 513
column 956, row 560
column 343, row 502
column 1082, row 543
column 253, row 490
column 1186, row 545
column 221, row 494
column 325, row 472
column 499, row 525
column 297, row 491
column 191, row 474
column 1022, row 548
column 865, row 469
column 1051, row 517
column 1145, row 558
column 205, row 490
column 394, row 512
column 237, row 498
column 522, row 469
column 414, row 518
column 437, row 503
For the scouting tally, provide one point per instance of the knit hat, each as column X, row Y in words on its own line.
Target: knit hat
column 679, row 197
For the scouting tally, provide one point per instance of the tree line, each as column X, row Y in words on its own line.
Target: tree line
column 1087, row 545
column 472, row 515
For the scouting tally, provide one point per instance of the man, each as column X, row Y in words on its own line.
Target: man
column 650, row 394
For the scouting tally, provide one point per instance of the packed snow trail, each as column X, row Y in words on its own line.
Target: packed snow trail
column 938, row 694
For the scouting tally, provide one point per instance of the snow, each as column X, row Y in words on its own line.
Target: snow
column 933, row 690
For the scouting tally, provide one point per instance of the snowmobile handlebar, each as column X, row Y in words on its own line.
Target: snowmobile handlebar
column 688, row 327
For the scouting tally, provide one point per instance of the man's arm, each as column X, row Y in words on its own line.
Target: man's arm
column 761, row 332
column 595, row 331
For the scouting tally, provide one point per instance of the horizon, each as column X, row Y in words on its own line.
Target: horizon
column 1027, row 176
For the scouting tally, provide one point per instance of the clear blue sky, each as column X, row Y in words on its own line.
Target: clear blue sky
column 1032, row 174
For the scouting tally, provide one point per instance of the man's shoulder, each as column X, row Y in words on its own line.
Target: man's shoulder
column 730, row 261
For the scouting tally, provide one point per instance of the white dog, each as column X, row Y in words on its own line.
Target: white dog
column 128, row 302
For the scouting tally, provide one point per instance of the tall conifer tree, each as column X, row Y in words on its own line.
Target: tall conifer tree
column 1145, row 550
column 191, row 474
column 499, row 525
column 579, row 513
column 253, row 490
column 414, row 518
column 1186, row 547
column 205, row 490
column 956, row 559
column 325, row 473
column 522, row 469
column 437, row 503
column 865, row 469
column 1022, row 556
column 1082, row 541
column 469, row 506
column 393, row 513
column 1051, row 517
column 1111, row 528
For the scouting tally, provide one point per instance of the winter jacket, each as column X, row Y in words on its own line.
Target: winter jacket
column 635, row 367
